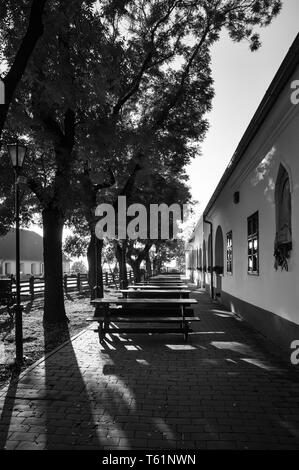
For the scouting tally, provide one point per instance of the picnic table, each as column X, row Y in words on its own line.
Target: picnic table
column 164, row 281
column 181, row 322
column 156, row 293
column 157, row 286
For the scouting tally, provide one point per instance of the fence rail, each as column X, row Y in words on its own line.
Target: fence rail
column 35, row 286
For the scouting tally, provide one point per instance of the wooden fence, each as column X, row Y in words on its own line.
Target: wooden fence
column 35, row 286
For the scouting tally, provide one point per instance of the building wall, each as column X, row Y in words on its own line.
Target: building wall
column 273, row 294
column 27, row 268
column 66, row 265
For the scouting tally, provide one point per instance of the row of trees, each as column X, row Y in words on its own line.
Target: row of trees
column 111, row 98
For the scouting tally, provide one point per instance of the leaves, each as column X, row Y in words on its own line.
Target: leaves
column 106, row 83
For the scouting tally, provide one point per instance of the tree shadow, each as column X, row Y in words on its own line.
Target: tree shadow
column 69, row 297
column 6, row 416
column 66, row 397
column 28, row 307
column 7, row 325
column 222, row 387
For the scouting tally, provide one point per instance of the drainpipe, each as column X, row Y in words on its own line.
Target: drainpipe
column 211, row 253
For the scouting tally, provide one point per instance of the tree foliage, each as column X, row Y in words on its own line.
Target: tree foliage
column 111, row 82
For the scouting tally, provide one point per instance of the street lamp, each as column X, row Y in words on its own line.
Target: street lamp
column 17, row 154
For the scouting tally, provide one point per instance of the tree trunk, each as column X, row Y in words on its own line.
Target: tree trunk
column 136, row 270
column 95, row 272
column 121, row 249
column 157, row 264
column 53, row 221
column 148, row 266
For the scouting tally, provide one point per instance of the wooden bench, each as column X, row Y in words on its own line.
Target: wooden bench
column 104, row 320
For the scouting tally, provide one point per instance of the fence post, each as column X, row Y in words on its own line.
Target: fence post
column 106, row 279
column 79, row 282
column 65, row 283
column 31, row 287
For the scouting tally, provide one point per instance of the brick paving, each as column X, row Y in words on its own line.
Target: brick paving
column 227, row 388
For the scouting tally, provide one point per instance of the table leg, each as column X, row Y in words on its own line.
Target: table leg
column 106, row 319
column 101, row 331
column 185, row 325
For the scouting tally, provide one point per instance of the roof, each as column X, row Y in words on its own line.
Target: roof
column 31, row 246
column 279, row 82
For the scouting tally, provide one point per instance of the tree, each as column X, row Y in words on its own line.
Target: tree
column 56, row 87
column 167, row 188
column 169, row 101
column 167, row 251
column 79, row 267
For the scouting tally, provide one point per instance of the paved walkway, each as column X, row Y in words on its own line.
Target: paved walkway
column 226, row 388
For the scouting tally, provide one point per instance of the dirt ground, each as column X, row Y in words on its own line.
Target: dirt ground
column 38, row 340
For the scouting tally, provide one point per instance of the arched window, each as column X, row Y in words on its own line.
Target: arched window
column 283, row 204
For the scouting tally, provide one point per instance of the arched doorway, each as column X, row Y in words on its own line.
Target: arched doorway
column 219, row 261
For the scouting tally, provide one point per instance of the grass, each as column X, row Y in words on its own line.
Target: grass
column 37, row 340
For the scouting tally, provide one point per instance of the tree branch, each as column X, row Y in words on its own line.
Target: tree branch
column 34, row 32
column 164, row 113
column 134, row 86
column 106, row 184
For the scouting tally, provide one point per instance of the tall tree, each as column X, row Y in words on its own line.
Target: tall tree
column 59, row 84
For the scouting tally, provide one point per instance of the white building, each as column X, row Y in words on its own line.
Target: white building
column 249, row 231
column 31, row 253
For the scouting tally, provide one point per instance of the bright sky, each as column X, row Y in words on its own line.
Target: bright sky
column 241, row 79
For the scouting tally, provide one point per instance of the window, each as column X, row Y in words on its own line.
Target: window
column 42, row 268
column 33, row 269
column 8, row 271
column 22, row 268
column 283, row 205
column 253, row 243
column 229, row 252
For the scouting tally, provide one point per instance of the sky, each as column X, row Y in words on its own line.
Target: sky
column 241, row 78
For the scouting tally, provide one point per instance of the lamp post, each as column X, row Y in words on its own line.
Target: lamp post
column 17, row 154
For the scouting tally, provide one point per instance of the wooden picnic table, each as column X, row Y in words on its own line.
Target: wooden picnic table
column 162, row 293
column 164, row 281
column 165, row 277
column 156, row 287
column 106, row 318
